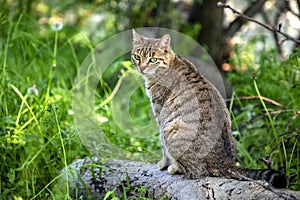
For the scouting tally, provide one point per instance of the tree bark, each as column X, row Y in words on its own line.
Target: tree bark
column 210, row 16
column 90, row 178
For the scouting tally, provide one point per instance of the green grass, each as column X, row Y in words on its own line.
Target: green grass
column 38, row 137
column 267, row 127
column 37, row 132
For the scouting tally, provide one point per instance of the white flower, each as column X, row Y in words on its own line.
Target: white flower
column 56, row 23
column 57, row 26
column 32, row 91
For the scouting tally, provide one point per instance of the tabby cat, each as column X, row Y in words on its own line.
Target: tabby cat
column 194, row 122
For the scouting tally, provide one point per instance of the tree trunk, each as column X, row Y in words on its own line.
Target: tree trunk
column 91, row 179
column 210, row 16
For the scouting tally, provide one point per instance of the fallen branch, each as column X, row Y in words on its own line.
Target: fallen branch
column 91, row 179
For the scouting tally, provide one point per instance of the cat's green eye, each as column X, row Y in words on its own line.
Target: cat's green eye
column 137, row 57
column 153, row 60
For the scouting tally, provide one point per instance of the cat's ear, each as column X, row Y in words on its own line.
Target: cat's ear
column 137, row 38
column 165, row 42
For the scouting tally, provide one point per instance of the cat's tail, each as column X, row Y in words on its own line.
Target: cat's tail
column 275, row 178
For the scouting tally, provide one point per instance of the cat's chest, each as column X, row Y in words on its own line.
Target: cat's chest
column 157, row 94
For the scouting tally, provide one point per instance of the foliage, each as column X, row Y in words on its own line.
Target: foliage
column 39, row 62
column 37, row 135
column 265, row 109
column 38, row 65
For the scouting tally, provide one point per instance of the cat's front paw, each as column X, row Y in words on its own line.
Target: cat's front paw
column 173, row 169
column 162, row 164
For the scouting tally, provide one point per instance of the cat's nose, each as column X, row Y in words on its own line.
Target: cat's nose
column 141, row 68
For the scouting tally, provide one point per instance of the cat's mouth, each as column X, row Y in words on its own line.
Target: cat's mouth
column 141, row 69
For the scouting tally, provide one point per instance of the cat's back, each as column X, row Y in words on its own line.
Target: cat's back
column 195, row 121
column 192, row 98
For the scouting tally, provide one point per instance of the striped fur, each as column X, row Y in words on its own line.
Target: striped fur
column 194, row 123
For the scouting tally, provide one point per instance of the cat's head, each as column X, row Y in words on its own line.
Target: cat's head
column 150, row 55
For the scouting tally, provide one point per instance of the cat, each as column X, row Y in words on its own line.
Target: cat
column 194, row 122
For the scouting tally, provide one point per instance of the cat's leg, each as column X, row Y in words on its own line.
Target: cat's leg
column 171, row 163
column 165, row 162
column 175, row 168
column 177, row 139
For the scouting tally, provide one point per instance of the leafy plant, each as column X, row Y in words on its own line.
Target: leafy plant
column 37, row 135
column 38, row 66
column 265, row 111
